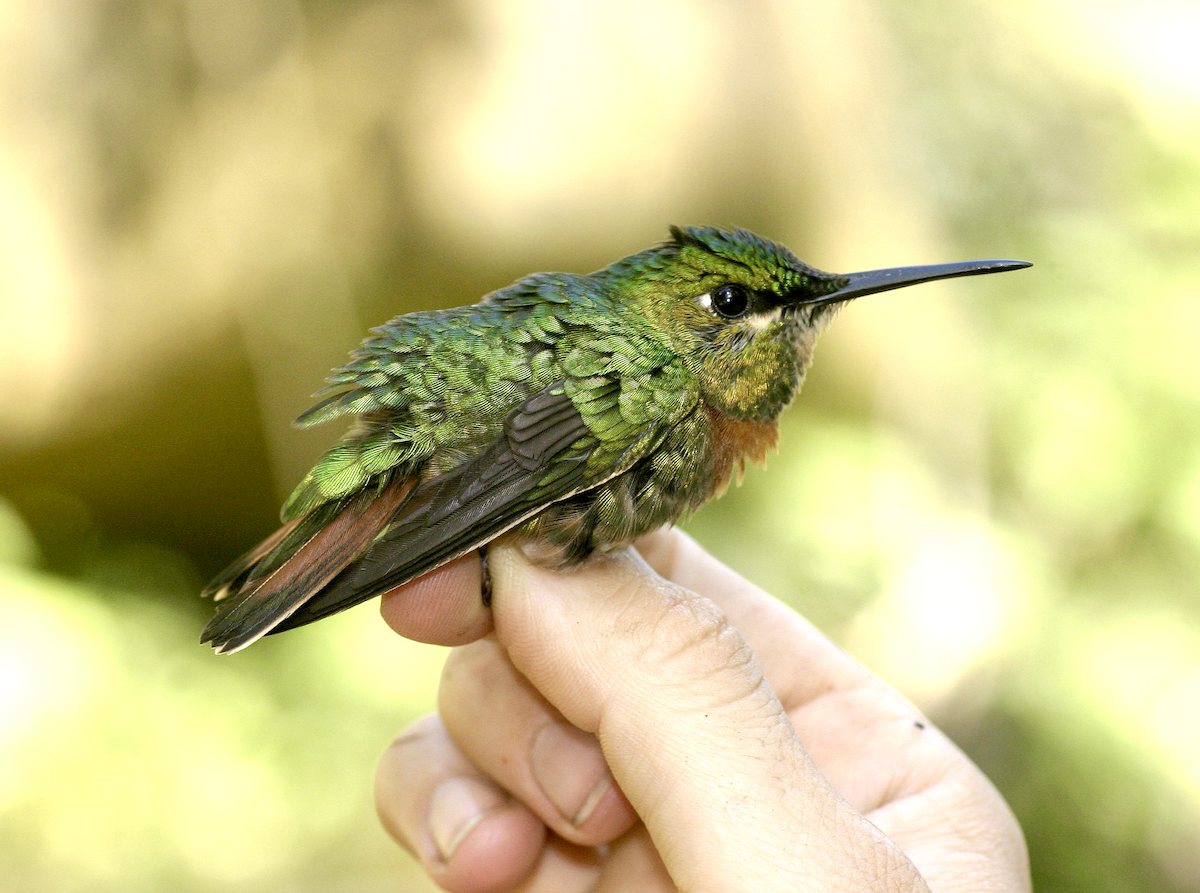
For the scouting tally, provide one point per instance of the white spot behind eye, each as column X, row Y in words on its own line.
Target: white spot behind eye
column 760, row 321
column 705, row 300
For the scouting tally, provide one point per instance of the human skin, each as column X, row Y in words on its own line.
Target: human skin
column 651, row 721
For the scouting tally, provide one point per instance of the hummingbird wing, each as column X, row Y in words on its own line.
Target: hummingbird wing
column 547, row 452
column 549, row 449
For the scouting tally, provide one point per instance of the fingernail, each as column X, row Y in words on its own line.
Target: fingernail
column 456, row 807
column 570, row 769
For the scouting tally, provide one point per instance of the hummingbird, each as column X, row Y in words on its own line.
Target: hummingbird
column 569, row 413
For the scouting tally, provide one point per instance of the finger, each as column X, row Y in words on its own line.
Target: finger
column 801, row 662
column 692, row 731
column 513, row 735
column 468, row 834
column 443, row 607
column 921, row 790
column 873, row 727
column 960, row 833
column 846, row 717
column 633, row 863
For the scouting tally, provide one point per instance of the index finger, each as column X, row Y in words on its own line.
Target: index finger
column 442, row 607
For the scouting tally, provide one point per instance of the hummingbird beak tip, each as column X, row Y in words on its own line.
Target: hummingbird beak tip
column 873, row 281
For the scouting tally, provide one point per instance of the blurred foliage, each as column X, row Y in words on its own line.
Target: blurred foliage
column 989, row 492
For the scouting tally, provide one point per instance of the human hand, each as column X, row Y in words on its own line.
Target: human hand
column 626, row 731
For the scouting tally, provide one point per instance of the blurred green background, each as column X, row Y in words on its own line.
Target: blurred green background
column 989, row 492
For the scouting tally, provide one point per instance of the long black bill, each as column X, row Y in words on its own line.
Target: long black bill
column 873, row 281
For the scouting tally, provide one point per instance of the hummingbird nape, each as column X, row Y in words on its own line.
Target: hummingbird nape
column 569, row 412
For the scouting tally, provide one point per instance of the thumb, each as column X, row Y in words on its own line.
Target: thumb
column 691, row 729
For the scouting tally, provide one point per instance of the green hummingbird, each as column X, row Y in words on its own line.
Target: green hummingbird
column 569, row 413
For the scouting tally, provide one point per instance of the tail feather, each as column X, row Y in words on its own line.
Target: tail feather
column 233, row 577
column 251, row 604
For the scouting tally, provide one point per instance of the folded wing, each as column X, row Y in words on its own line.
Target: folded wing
column 546, row 452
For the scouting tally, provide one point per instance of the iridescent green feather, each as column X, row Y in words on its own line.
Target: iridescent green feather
column 440, row 383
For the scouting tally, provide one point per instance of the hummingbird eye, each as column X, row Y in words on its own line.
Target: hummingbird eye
column 729, row 300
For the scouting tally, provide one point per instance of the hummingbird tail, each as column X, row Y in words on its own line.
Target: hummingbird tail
column 272, row 581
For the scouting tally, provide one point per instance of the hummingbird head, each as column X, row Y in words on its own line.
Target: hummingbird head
column 744, row 312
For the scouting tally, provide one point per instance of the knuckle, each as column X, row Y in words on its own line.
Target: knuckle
column 477, row 680
column 468, row 664
column 416, row 732
column 689, row 640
